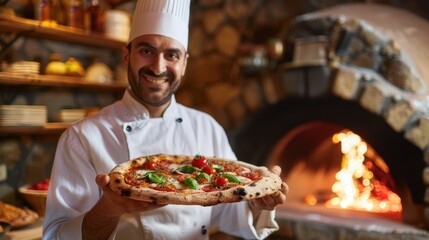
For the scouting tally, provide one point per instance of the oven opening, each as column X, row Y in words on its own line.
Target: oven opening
column 338, row 171
column 379, row 176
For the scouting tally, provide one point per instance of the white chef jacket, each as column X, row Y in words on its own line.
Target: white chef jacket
column 124, row 131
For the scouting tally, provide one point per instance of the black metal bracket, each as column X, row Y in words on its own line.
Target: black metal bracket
column 5, row 45
column 4, row 2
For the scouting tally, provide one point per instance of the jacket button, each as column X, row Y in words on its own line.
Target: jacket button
column 179, row 120
column 129, row 128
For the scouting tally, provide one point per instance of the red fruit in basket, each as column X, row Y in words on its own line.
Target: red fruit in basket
column 44, row 185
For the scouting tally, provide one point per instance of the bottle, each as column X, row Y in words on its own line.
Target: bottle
column 75, row 14
column 94, row 17
column 45, row 10
column 50, row 12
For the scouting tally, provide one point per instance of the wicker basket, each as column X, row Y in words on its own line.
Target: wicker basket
column 36, row 199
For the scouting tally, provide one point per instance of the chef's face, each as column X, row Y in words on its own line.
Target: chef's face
column 156, row 65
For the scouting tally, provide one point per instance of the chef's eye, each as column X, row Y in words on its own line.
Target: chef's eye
column 146, row 51
column 172, row 55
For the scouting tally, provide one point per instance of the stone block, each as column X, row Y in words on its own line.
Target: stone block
column 318, row 80
column 293, row 81
column 316, row 230
column 212, row 20
column 236, row 110
column 426, row 155
column 426, row 198
column 346, row 84
column 419, row 135
column 426, row 175
column 218, row 95
column 270, row 90
column 374, row 98
column 399, row 74
column 227, row 40
column 252, row 96
column 400, row 115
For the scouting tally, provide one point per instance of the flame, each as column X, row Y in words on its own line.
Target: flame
column 355, row 186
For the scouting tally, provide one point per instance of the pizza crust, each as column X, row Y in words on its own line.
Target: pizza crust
column 269, row 183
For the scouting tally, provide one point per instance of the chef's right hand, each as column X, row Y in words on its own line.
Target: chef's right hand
column 118, row 204
column 101, row 220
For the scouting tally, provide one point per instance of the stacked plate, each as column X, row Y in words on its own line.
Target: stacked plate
column 28, row 67
column 23, row 115
column 71, row 115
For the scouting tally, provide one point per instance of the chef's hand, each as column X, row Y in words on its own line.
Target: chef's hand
column 100, row 221
column 270, row 202
column 118, row 204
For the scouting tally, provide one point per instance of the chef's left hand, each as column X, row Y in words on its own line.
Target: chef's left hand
column 271, row 201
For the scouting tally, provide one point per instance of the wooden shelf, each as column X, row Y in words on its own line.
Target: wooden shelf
column 48, row 129
column 22, row 27
column 37, row 29
column 56, row 81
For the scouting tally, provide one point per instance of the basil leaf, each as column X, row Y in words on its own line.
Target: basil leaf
column 144, row 176
column 191, row 183
column 156, row 178
column 186, row 169
column 203, row 175
column 231, row 178
column 147, row 172
column 217, row 167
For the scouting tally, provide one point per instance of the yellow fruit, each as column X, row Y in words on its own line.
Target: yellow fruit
column 74, row 68
column 55, row 68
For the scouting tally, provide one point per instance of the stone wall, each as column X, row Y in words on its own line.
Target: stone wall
column 229, row 43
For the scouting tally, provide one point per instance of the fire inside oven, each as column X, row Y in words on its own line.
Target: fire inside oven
column 363, row 181
column 336, row 155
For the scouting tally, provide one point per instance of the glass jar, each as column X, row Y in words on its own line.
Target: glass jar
column 75, row 14
column 46, row 9
column 94, row 16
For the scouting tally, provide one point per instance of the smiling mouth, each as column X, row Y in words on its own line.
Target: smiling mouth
column 156, row 80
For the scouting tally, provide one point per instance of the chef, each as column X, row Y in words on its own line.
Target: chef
column 147, row 120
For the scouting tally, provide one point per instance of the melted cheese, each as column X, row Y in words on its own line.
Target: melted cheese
column 142, row 172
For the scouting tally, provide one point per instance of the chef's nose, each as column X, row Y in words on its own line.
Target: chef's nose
column 159, row 64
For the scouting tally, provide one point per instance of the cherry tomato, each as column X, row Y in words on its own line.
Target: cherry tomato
column 149, row 165
column 221, row 181
column 199, row 161
column 208, row 170
column 253, row 176
column 202, row 180
column 181, row 178
column 208, row 189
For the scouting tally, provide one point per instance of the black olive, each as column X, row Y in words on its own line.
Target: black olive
column 126, row 192
column 240, row 192
column 154, row 200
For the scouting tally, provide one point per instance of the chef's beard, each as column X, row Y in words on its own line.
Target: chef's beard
column 144, row 97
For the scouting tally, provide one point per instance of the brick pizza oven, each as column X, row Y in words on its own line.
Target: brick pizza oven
column 357, row 67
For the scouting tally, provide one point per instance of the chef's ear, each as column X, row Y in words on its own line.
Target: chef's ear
column 185, row 63
column 126, row 55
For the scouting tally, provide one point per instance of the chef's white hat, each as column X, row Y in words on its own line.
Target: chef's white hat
column 163, row 17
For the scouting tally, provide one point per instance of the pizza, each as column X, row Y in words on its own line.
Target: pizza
column 191, row 180
column 15, row 216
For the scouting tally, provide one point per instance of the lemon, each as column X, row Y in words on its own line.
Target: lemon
column 74, row 68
